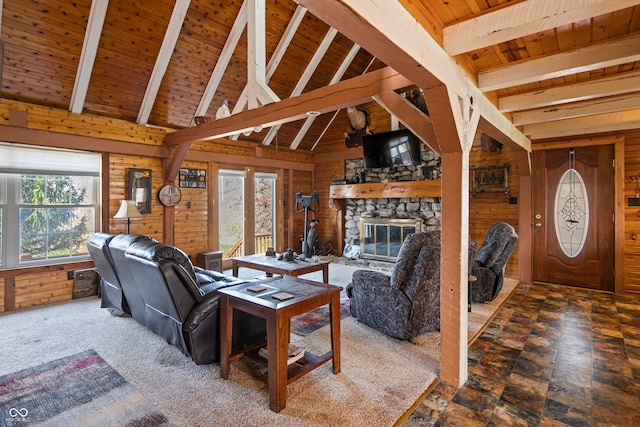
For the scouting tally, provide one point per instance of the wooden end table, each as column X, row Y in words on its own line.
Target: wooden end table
column 271, row 265
column 307, row 295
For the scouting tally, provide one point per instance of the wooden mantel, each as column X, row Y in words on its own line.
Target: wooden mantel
column 386, row 190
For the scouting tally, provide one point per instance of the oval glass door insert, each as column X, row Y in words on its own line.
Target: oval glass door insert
column 572, row 213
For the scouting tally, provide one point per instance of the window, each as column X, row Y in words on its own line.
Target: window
column 48, row 204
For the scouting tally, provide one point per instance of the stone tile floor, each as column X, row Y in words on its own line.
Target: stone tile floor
column 552, row 356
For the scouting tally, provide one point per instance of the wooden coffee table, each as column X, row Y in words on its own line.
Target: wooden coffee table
column 306, row 295
column 271, row 265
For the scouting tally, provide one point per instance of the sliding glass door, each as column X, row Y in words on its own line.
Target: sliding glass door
column 265, row 211
column 231, row 212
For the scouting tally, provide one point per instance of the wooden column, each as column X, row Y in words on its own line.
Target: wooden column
column 454, row 268
column 455, row 125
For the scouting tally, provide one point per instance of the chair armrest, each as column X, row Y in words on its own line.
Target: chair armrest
column 375, row 285
column 208, row 306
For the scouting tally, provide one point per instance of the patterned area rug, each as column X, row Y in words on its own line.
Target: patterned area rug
column 317, row 318
column 81, row 389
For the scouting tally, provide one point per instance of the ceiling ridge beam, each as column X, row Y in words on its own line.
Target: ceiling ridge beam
column 325, row 99
column 162, row 61
column 593, row 57
column 223, row 61
column 591, row 89
column 578, row 109
column 97, row 15
column 523, row 19
column 311, row 67
column 344, row 65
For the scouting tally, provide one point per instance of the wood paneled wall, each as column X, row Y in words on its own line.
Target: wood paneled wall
column 191, row 222
column 485, row 209
column 2, row 287
column 631, row 213
column 47, row 285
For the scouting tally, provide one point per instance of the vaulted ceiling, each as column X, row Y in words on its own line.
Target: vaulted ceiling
column 557, row 68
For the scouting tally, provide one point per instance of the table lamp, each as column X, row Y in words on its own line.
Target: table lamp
column 128, row 210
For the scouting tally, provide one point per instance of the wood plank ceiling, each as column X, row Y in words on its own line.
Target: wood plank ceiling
column 554, row 68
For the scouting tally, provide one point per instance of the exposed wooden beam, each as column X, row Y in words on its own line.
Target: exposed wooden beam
column 223, row 61
column 306, row 76
column 335, row 113
column 522, row 19
column 49, row 138
column 578, row 109
column 162, row 61
column 340, row 95
column 276, row 57
column 600, row 123
column 590, row 89
column 348, row 59
column 406, row 46
column 593, row 57
column 259, row 92
column 414, row 119
column 97, row 14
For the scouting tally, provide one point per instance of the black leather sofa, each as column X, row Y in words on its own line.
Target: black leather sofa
column 159, row 287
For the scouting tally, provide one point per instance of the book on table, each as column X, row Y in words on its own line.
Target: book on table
column 295, row 353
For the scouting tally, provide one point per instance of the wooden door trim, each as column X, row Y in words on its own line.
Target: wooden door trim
column 618, row 231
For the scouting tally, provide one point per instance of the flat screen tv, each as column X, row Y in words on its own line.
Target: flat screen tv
column 391, row 149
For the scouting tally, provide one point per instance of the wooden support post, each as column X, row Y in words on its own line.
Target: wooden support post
column 454, row 268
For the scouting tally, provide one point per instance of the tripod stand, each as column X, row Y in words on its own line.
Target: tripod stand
column 306, row 204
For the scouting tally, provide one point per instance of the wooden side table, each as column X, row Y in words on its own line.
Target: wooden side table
column 272, row 265
column 306, row 295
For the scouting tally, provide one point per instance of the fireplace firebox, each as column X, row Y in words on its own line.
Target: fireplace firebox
column 381, row 238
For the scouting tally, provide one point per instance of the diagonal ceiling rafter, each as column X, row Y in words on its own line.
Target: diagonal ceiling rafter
column 162, row 61
column 97, row 14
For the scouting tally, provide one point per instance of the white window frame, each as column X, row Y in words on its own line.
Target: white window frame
column 16, row 161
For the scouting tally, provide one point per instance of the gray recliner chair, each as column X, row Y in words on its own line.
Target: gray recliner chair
column 407, row 303
column 491, row 261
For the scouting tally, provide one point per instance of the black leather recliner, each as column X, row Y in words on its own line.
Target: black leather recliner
column 128, row 278
column 180, row 309
column 170, row 296
column 110, row 287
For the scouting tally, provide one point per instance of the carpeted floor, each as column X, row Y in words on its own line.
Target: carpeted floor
column 381, row 377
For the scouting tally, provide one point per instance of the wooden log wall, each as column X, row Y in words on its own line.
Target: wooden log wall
column 2, row 290
column 631, row 213
column 21, row 288
column 485, row 209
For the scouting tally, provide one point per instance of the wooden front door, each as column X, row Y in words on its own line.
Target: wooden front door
column 573, row 205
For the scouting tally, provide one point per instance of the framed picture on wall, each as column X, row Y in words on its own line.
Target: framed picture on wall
column 140, row 189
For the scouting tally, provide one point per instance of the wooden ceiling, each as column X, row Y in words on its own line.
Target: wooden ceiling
column 553, row 68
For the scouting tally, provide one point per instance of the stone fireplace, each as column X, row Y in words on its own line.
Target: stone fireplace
column 367, row 218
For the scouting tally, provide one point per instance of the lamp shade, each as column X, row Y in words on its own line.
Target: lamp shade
column 128, row 209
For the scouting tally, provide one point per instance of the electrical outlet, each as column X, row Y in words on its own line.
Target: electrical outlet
column 634, row 201
column 513, row 200
column 70, row 275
